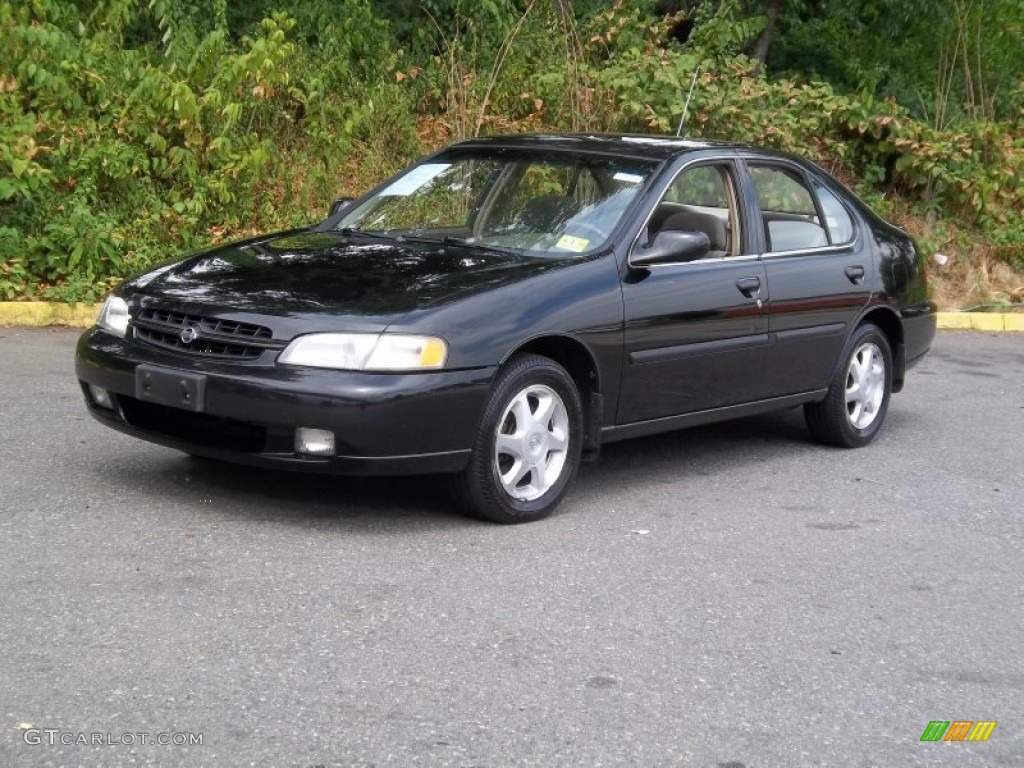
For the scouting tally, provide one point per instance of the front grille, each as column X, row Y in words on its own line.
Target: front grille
column 212, row 337
column 198, row 428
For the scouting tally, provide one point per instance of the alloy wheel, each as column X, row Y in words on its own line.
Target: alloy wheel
column 865, row 385
column 531, row 443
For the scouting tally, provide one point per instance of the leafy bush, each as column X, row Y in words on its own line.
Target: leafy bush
column 131, row 131
column 116, row 157
column 974, row 173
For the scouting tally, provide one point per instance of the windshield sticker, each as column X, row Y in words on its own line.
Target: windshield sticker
column 416, row 178
column 630, row 178
column 570, row 243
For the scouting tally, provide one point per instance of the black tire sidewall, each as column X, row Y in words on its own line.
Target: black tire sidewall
column 864, row 334
column 487, row 497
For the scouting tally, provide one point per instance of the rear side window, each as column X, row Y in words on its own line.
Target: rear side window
column 780, row 190
column 791, row 221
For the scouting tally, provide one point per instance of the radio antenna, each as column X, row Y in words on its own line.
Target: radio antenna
column 686, row 107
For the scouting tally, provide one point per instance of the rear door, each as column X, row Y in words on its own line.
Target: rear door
column 819, row 273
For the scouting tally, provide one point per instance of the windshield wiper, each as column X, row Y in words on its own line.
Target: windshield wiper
column 465, row 242
column 461, row 242
column 366, row 233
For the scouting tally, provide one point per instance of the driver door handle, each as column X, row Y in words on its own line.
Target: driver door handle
column 749, row 286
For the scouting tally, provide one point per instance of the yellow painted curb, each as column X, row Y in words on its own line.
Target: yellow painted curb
column 960, row 321
column 40, row 313
column 981, row 321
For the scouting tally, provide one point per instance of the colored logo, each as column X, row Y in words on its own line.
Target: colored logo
column 958, row 730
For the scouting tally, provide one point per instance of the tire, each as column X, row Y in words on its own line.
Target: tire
column 858, row 396
column 528, row 448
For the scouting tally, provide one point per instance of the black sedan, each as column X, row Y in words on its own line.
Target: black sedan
column 501, row 309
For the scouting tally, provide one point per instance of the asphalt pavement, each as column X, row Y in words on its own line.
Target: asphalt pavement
column 732, row 596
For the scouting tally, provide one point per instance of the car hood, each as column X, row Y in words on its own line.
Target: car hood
column 303, row 275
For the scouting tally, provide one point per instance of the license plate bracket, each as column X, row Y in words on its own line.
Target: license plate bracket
column 166, row 386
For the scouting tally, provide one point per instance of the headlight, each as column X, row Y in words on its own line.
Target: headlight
column 114, row 316
column 366, row 352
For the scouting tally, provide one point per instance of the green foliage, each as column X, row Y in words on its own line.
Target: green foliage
column 130, row 132
column 975, row 173
column 943, row 59
column 113, row 157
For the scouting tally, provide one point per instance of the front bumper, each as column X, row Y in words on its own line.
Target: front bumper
column 384, row 424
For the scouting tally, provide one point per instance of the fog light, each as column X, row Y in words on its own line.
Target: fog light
column 100, row 397
column 317, row 442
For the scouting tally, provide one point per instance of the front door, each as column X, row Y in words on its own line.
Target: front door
column 696, row 332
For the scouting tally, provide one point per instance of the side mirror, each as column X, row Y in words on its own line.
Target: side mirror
column 340, row 205
column 672, row 247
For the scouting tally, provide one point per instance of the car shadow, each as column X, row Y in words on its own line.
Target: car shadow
column 395, row 504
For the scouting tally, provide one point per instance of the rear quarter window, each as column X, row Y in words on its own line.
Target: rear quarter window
column 837, row 218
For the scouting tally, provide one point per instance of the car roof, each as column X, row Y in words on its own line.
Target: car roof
column 647, row 146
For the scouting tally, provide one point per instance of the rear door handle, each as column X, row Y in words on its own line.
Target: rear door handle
column 855, row 274
column 749, row 286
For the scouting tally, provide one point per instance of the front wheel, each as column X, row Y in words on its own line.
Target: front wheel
column 529, row 445
column 858, row 397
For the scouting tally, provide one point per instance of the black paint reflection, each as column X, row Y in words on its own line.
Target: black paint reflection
column 311, row 271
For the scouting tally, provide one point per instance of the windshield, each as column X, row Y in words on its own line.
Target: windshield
column 545, row 202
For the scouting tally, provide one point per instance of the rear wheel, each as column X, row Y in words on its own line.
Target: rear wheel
column 529, row 445
column 858, row 397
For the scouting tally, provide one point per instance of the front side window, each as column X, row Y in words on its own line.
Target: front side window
column 701, row 199
column 705, row 185
column 543, row 202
